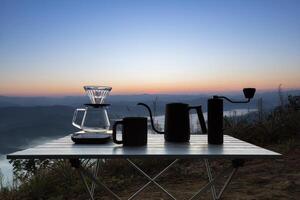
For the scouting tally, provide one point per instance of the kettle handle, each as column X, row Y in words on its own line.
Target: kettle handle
column 75, row 117
column 201, row 117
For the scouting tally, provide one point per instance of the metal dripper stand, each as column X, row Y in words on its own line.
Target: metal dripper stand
column 97, row 94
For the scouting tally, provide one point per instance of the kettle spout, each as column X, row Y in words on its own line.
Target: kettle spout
column 151, row 118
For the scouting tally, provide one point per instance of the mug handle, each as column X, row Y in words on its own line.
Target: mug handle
column 115, row 132
column 201, row 117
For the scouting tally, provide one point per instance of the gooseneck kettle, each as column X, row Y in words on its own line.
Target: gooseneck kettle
column 177, row 121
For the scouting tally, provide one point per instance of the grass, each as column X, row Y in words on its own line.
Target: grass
column 1, row 180
column 280, row 126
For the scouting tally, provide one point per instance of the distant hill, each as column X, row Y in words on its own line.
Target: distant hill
column 42, row 101
column 19, row 126
column 270, row 99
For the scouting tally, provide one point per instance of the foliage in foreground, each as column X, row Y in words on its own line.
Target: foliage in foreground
column 279, row 127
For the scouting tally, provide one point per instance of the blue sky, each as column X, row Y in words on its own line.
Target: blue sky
column 56, row 47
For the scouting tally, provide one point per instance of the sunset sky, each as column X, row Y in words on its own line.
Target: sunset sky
column 54, row 47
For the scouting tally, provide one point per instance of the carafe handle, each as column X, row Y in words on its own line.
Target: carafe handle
column 115, row 132
column 200, row 117
column 75, row 116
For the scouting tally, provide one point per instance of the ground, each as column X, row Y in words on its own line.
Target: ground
column 258, row 179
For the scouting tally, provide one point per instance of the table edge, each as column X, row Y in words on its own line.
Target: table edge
column 15, row 157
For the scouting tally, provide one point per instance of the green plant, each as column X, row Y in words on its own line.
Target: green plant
column 279, row 126
column 1, row 180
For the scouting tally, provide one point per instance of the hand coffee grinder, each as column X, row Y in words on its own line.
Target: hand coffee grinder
column 215, row 115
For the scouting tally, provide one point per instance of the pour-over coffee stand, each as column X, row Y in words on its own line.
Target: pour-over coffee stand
column 95, row 118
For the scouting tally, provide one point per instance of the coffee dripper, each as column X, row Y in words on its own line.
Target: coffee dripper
column 95, row 118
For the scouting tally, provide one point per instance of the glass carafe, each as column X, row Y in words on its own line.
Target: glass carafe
column 95, row 118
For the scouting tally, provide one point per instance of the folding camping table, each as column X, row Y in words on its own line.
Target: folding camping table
column 233, row 149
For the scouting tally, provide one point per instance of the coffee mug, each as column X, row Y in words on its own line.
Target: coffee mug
column 134, row 131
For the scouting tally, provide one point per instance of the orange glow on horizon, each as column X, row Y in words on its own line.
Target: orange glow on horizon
column 151, row 88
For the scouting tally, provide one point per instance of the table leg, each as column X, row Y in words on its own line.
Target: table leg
column 230, row 170
column 227, row 183
column 210, row 177
column 87, row 186
column 95, row 171
column 86, row 173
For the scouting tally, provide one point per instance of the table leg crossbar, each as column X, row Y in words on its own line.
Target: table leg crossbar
column 210, row 177
column 95, row 171
column 85, row 173
column 151, row 180
column 212, row 181
column 86, row 185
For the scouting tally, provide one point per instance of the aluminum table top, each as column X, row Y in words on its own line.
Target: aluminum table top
column 64, row 148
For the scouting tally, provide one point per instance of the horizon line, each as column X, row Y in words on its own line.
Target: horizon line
column 150, row 94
